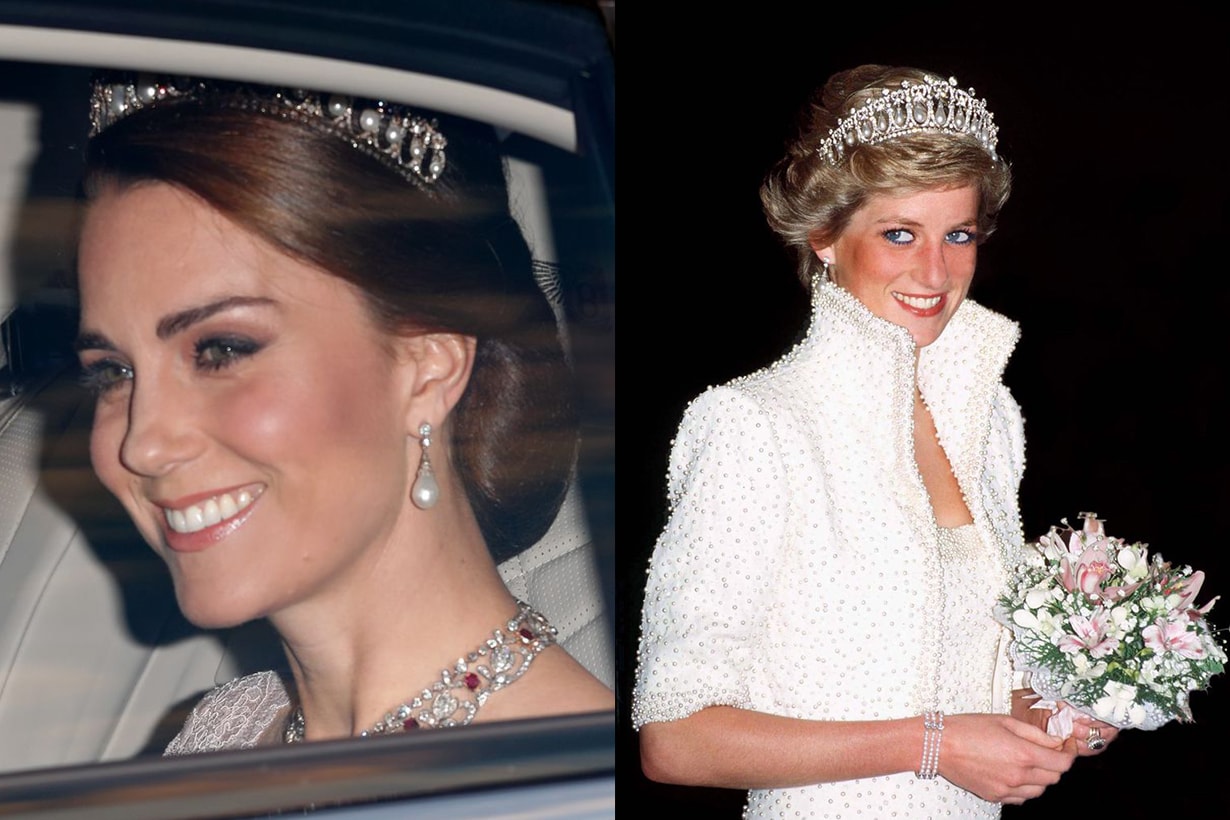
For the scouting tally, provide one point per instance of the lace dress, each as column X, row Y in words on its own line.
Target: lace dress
column 242, row 714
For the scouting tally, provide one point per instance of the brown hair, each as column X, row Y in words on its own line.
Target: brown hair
column 809, row 202
column 444, row 258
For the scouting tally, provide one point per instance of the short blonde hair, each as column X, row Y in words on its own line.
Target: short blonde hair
column 809, row 202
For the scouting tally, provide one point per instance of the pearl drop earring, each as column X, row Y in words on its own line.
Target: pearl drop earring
column 425, row 492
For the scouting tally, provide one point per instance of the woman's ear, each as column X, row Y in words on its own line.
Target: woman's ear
column 824, row 254
column 435, row 369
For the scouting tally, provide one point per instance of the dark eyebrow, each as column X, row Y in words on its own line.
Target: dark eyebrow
column 174, row 323
column 92, row 341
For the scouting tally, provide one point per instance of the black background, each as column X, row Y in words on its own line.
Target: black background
column 1112, row 254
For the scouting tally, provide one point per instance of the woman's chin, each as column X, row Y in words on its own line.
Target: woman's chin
column 213, row 611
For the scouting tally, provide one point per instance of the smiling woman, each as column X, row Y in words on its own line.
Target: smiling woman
column 909, row 258
column 818, row 623
column 212, row 425
column 314, row 345
column 235, row 440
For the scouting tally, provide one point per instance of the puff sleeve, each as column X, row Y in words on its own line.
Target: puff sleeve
column 712, row 570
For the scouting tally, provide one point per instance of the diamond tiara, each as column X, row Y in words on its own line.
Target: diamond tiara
column 408, row 144
column 934, row 105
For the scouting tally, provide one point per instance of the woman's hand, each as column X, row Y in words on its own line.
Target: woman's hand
column 1080, row 728
column 1000, row 758
column 1023, row 701
column 1086, row 730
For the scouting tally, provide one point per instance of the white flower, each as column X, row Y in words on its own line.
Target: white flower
column 1084, row 669
column 1053, row 625
column 1025, row 618
column 1122, row 622
column 1148, row 671
column 1135, row 562
column 1119, row 706
column 1037, row 596
column 1052, row 546
column 1154, row 605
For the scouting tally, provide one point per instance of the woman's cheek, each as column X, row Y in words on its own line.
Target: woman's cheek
column 106, row 443
column 106, row 439
column 261, row 412
column 260, row 409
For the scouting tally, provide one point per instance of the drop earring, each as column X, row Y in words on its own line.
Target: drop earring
column 425, row 492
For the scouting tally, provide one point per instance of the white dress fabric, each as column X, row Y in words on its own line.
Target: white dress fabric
column 802, row 573
column 236, row 715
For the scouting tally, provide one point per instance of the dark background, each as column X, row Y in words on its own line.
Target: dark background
column 1111, row 253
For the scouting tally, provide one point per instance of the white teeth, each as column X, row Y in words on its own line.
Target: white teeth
column 214, row 511
column 920, row 302
column 210, row 514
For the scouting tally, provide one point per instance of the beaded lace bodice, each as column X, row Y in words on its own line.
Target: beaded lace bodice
column 236, row 715
column 801, row 571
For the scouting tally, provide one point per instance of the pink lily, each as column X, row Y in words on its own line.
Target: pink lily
column 1188, row 590
column 1092, row 566
column 1173, row 636
column 1115, row 593
column 1090, row 635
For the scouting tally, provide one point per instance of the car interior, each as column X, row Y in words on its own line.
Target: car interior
column 96, row 662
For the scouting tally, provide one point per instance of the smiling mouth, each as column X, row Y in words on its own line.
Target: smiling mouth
column 196, row 517
column 918, row 302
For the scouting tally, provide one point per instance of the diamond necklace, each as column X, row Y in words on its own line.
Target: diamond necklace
column 455, row 698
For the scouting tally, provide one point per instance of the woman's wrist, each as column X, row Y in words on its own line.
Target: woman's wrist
column 933, row 734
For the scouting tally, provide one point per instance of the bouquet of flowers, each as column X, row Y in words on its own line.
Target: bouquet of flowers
column 1111, row 630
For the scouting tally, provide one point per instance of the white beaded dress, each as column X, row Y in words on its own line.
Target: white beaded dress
column 801, row 572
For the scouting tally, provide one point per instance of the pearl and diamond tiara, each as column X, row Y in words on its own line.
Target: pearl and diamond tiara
column 408, row 144
column 931, row 106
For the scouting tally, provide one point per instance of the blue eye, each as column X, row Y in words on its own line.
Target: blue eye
column 218, row 352
column 105, row 375
column 899, row 236
column 961, row 237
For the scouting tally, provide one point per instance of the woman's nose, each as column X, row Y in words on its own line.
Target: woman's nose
column 934, row 267
column 162, row 431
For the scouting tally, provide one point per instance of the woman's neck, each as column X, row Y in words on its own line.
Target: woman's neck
column 377, row 637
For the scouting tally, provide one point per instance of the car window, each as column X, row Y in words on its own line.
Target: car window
column 98, row 668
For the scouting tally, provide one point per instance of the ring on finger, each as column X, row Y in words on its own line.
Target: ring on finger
column 1095, row 741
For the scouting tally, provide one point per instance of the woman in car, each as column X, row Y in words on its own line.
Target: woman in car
column 818, row 623
column 330, row 394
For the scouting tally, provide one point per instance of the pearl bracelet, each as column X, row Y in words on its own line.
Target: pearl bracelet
column 933, row 733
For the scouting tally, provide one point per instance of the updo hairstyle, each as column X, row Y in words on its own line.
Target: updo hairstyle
column 448, row 257
column 809, row 202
